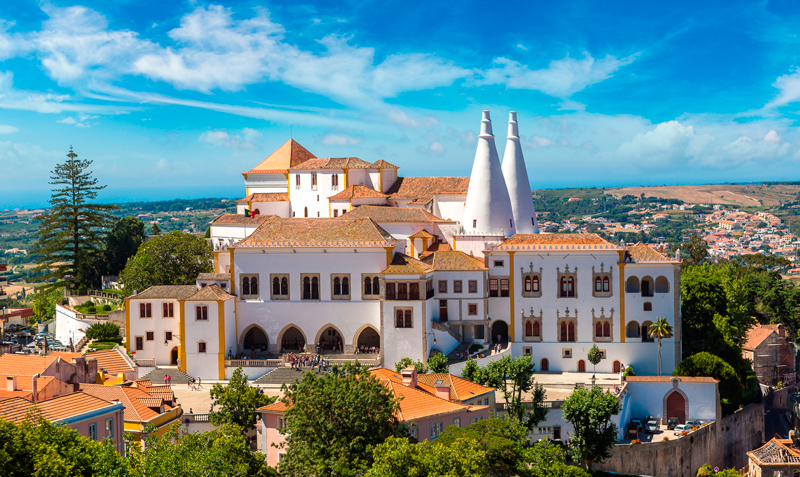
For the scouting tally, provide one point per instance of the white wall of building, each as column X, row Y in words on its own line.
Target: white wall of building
column 399, row 343
column 647, row 399
column 159, row 325
column 265, row 183
column 449, row 207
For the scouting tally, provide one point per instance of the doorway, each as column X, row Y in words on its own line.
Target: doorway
column 500, row 332
column 676, row 406
column 173, row 357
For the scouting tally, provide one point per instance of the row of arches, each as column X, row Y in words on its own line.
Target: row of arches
column 292, row 338
column 544, row 366
column 634, row 330
column 646, row 285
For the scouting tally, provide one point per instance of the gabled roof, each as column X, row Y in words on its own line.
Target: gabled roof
column 290, row 154
column 111, row 360
column 643, row 253
column 239, row 219
column 460, row 388
column 356, row 192
column 421, row 234
column 436, row 247
column 28, row 365
column 404, row 265
column 135, row 409
column 424, row 188
column 265, row 197
column 382, row 213
column 175, row 292
column 65, row 355
column 333, row 163
column 452, row 261
column 556, row 242
column 55, row 409
column 318, row 232
column 776, row 451
column 757, row 334
column 276, row 407
column 210, row 293
column 381, row 164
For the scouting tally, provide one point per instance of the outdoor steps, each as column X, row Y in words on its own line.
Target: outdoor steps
column 285, row 375
column 446, row 328
column 156, row 376
column 451, row 358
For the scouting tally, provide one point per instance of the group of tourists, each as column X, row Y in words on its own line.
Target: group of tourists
column 368, row 349
column 309, row 362
column 195, row 384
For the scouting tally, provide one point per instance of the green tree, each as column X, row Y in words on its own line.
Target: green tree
column 660, row 329
column 236, row 402
column 397, row 457
column 706, row 364
column 589, row 410
column 695, row 251
column 513, row 377
column 71, row 233
column 156, row 230
column 406, row 362
column 44, row 303
column 594, row 356
column 336, row 420
column 502, row 441
column 175, row 258
column 122, row 242
column 437, row 363
column 103, row 332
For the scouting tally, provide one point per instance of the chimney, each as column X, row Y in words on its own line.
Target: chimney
column 515, row 175
column 442, row 390
column 11, row 383
column 35, row 391
column 409, row 376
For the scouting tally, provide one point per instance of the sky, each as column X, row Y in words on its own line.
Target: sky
column 176, row 99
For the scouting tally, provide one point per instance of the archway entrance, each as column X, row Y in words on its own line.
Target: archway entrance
column 617, row 366
column 255, row 340
column 330, row 340
column 545, row 367
column 581, row 366
column 368, row 338
column 500, row 332
column 173, row 356
column 292, row 340
column 676, row 406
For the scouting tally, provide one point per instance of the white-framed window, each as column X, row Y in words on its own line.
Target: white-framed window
column 473, row 286
column 109, row 427
column 442, row 286
column 250, row 286
column 472, row 309
column 201, row 312
column 566, row 353
column 340, row 286
column 458, row 286
column 93, row 431
column 436, row 429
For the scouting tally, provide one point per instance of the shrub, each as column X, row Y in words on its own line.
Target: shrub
column 706, row 364
column 106, row 307
column 92, row 309
column 628, row 372
column 98, row 345
column 409, row 362
column 103, row 332
column 89, row 303
column 437, row 363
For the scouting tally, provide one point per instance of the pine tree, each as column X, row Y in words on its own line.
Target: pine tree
column 156, row 230
column 71, row 234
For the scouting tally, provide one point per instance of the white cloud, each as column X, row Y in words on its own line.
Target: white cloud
column 437, row 147
column 788, row 89
column 560, row 79
column 538, row 141
column 220, row 137
column 522, row 47
column 8, row 129
column 332, row 139
column 403, row 120
column 67, row 120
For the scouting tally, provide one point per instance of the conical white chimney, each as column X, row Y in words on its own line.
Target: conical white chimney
column 488, row 208
column 516, row 177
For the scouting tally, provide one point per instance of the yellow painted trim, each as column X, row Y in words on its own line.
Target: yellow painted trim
column 233, row 274
column 222, row 346
column 288, row 186
column 345, row 178
column 330, row 212
column 216, row 262
column 511, row 275
column 380, row 180
column 454, row 243
column 413, row 252
column 128, row 324
column 389, row 255
column 246, row 191
column 424, row 243
column 182, row 325
column 621, row 265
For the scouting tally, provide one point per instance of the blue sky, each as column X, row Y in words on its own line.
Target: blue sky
column 175, row 99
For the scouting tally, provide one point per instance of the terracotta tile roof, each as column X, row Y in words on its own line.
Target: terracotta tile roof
column 757, row 334
column 290, row 154
column 265, row 197
column 421, row 234
column 417, row 404
column 28, row 365
column 111, row 360
column 776, row 451
column 277, row 407
column 424, row 188
column 555, row 242
column 436, row 247
column 453, row 260
column 210, row 293
column 142, row 383
column 666, row 379
column 645, row 253
column 135, row 410
column 381, row 164
column 25, row 382
column 12, row 394
column 65, row 355
column 333, row 163
column 151, row 401
column 317, row 232
column 356, row 192
column 54, row 409
column 239, row 219
column 382, row 214
column 214, row 276
column 404, row 265
column 160, row 292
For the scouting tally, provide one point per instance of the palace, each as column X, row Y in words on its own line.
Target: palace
column 340, row 254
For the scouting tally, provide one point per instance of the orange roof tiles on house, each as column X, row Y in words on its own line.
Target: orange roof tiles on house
column 383, row 214
column 404, row 265
column 318, row 232
column 776, row 452
column 55, row 409
column 460, row 388
column 152, row 401
column 18, row 364
column 265, row 197
column 289, row 155
column 214, row 276
column 135, row 410
column 666, row 379
column 556, row 242
column 25, row 382
column 333, row 163
column 453, row 260
column 417, row 404
column 421, row 234
column 436, row 247
column 276, row 407
column 160, row 292
column 65, row 355
column 111, row 360
column 757, row 334
column 240, row 219
column 424, row 188
column 381, row 164
column 210, row 293
column 641, row 252
column 12, row 394
column 358, row 191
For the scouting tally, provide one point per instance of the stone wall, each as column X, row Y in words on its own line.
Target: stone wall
column 723, row 444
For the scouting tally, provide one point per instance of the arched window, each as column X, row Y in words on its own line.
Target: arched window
column 647, row 286
column 571, row 332
column 306, row 211
column 528, row 284
column 306, row 288
column 345, row 286
column 617, row 366
column 245, row 286
column 570, row 286
column 276, row 286
column 606, row 284
column 254, row 285
column 632, row 330
column 606, row 330
column 297, row 181
column 535, row 284
column 536, row 330
column 529, row 329
column 662, row 284
column 545, row 366
column 598, row 284
column 376, row 286
column 337, row 286
column 367, row 286
column 646, row 332
column 563, row 331
column 284, row 286
column 315, row 288
column 632, row 285
column 598, row 330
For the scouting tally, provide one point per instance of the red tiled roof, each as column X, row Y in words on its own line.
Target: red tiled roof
column 645, row 253
column 555, row 242
column 277, row 406
column 19, row 364
column 421, row 234
column 210, row 293
column 318, row 232
column 111, row 360
column 404, row 265
column 290, row 154
column 356, row 192
column 135, row 410
column 55, row 409
column 460, row 388
column 160, row 292
column 333, row 163
column 239, row 219
column 424, row 188
column 382, row 213
column 757, row 334
column 265, row 197
column 666, row 379
column 453, row 260
column 381, row 164
column 214, row 276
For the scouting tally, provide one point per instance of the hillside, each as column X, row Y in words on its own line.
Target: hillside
column 741, row 195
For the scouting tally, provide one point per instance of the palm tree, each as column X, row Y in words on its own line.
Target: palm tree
column 660, row 329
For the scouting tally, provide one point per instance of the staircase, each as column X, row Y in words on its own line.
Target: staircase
column 436, row 325
column 156, row 376
column 451, row 358
column 283, row 376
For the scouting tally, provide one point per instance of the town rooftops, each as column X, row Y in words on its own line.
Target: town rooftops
column 210, row 293
column 111, row 360
column 544, row 242
column 239, row 219
column 265, row 197
column 643, row 253
column 453, row 260
column 55, row 409
column 758, row 333
column 404, row 265
column 383, row 214
column 358, row 192
column 333, row 163
column 776, row 452
column 422, row 189
column 381, row 164
column 421, row 234
column 27, row 365
column 667, row 379
column 290, row 154
column 318, row 232
column 174, row 292
column 214, row 276
column 136, row 409
column 460, row 388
